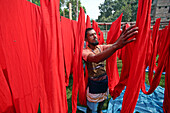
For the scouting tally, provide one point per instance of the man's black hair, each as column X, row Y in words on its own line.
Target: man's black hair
column 88, row 29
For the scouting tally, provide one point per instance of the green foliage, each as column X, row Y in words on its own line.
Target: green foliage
column 110, row 10
column 37, row 2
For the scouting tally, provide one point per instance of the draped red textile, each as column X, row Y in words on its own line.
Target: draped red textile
column 101, row 38
column 19, row 29
column 98, row 32
column 154, row 82
column 83, row 79
column 111, row 62
column 74, row 28
column 114, row 31
column 88, row 22
column 137, row 68
column 160, row 40
column 78, row 72
column 6, row 103
column 68, row 47
column 96, row 28
column 52, row 59
column 2, row 58
column 166, row 102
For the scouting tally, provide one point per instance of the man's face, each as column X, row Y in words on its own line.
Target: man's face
column 92, row 37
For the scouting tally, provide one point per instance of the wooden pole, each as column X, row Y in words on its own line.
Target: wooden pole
column 64, row 12
column 70, row 11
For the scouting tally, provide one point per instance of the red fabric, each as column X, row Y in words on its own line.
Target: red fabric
column 95, row 26
column 101, row 38
column 114, row 31
column 19, row 29
column 136, row 65
column 159, row 40
column 166, row 102
column 6, row 103
column 74, row 28
column 88, row 22
column 111, row 62
column 152, row 60
column 68, row 45
column 2, row 58
column 149, row 50
column 52, row 59
column 97, row 29
column 78, row 72
column 137, row 68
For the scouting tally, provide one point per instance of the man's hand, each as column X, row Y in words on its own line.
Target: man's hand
column 121, row 41
column 125, row 35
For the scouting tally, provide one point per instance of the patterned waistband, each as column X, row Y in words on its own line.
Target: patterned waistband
column 101, row 77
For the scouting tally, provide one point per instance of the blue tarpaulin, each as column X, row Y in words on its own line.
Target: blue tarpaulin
column 146, row 103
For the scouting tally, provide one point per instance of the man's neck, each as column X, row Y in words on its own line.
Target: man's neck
column 91, row 46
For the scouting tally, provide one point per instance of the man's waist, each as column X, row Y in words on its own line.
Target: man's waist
column 98, row 78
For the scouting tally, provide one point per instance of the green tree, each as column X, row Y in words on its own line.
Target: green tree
column 106, row 11
column 110, row 10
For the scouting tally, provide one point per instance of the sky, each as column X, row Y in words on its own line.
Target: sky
column 92, row 8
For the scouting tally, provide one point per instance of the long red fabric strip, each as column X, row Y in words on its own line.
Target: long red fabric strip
column 126, row 63
column 82, row 82
column 52, row 59
column 88, row 23
column 166, row 102
column 158, row 73
column 111, row 62
column 68, row 45
column 101, row 38
column 137, row 68
column 96, row 28
column 78, row 73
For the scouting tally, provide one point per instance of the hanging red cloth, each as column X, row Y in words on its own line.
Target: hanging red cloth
column 111, row 62
column 78, row 72
column 152, row 62
column 97, row 29
column 19, row 41
column 101, row 38
column 52, row 59
column 166, row 102
column 6, row 103
column 88, row 22
column 137, row 68
column 68, row 45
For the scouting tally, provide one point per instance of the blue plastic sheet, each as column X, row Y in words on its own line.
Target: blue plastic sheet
column 146, row 103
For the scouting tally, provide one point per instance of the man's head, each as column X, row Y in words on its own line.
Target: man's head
column 91, row 37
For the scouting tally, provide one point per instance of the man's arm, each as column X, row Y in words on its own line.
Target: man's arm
column 121, row 42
